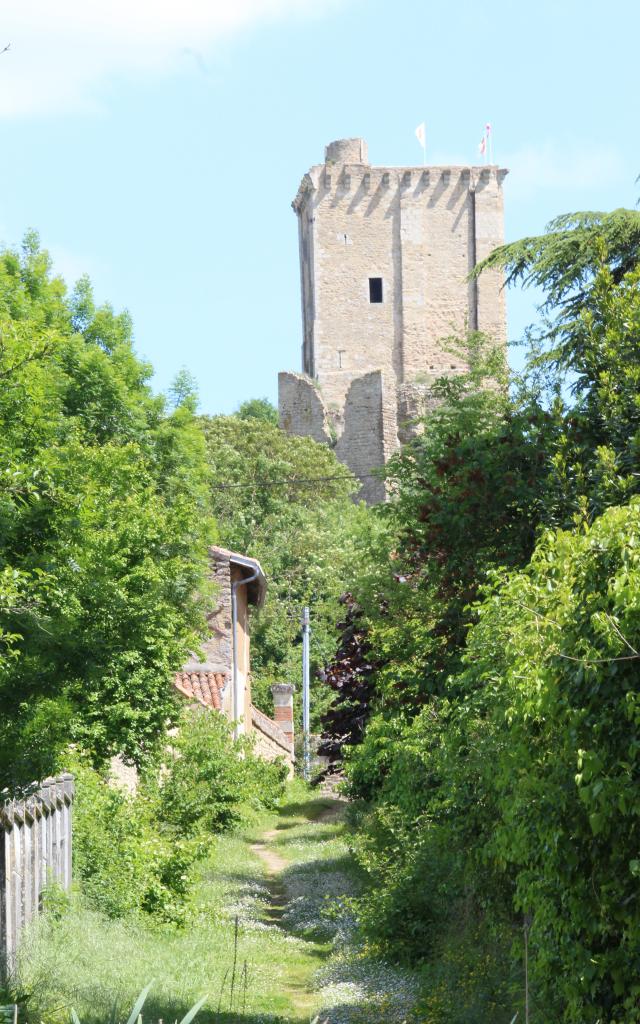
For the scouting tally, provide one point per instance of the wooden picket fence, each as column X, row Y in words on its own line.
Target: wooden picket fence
column 35, row 850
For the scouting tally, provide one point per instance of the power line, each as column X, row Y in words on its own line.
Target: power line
column 293, row 480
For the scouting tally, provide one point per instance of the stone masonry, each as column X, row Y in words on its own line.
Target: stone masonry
column 385, row 254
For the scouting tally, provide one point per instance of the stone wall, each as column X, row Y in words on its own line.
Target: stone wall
column 302, row 409
column 363, row 431
column 217, row 648
column 420, row 229
column 414, row 402
column 362, row 443
column 123, row 776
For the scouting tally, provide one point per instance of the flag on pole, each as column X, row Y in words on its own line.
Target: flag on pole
column 482, row 148
column 489, row 138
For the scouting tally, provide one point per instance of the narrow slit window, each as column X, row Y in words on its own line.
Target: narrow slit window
column 375, row 289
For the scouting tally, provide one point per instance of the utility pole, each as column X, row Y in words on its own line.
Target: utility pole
column 306, row 762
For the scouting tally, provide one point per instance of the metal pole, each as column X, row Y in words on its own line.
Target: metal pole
column 305, row 693
column 527, row 925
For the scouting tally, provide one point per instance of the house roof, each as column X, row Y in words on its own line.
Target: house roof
column 205, row 687
column 249, row 567
column 270, row 728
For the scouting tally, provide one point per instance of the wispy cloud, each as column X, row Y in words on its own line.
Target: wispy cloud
column 65, row 54
column 558, row 166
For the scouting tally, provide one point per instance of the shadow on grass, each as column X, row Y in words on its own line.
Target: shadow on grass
column 253, row 1018
column 341, row 865
column 243, row 878
column 173, row 1010
column 310, row 810
column 332, row 831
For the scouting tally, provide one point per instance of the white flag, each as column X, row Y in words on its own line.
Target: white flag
column 488, row 130
column 421, row 135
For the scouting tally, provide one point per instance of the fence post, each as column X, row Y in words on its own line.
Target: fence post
column 35, row 848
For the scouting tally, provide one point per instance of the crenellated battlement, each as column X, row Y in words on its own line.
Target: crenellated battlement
column 349, row 178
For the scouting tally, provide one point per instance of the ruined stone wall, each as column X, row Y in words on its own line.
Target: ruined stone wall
column 414, row 401
column 363, row 433
column 302, row 408
column 362, row 443
column 123, row 776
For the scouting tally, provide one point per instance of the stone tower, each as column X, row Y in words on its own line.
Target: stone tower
column 385, row 254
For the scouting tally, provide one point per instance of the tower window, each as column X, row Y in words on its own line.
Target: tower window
column 341, row 354
column 375, row 289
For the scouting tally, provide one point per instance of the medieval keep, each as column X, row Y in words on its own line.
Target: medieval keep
column 385, row 254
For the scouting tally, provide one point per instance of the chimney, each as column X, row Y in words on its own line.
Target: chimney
column 283, row 708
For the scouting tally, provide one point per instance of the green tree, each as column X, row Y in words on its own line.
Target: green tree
column 501, row 752
column 258, row 409
column 564, row 263
column 552, row 686
column 466, row 497
column 184, row 390
column 214, row 780
column 103, row 528
column 288, row 502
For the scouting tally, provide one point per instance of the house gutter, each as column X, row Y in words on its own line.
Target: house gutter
column 234, row 621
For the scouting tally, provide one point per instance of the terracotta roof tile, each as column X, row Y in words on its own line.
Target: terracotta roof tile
column 205, row 687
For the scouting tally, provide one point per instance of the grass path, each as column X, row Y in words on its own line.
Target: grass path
column 310, row 874
column 262, row 940
column 297, row 983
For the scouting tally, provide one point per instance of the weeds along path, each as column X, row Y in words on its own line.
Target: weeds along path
column 299, row 973
column 310, row 876
column 271, row 939
column 299, row 831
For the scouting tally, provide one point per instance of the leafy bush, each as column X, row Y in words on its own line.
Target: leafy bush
column 555, row 652
column 213, row 780
column 136, row 853
column 500, row 757
column 516, row 797
column 124, row 859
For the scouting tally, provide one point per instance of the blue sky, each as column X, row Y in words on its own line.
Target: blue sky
column 157, row 147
